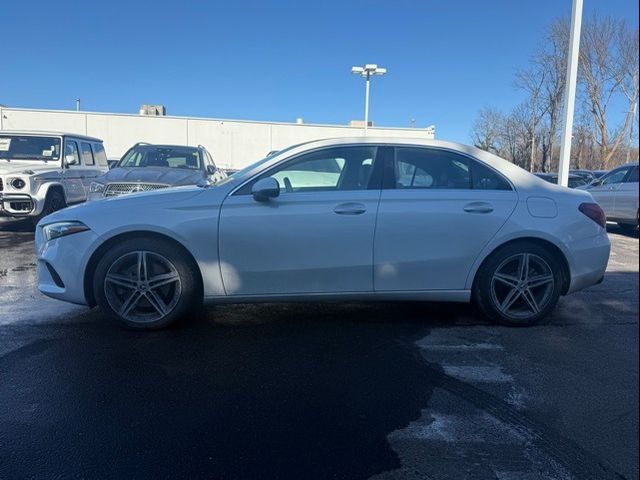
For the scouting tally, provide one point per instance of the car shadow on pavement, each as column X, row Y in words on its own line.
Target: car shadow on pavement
column 289, row 391
column 236, row 391
column 18, row 226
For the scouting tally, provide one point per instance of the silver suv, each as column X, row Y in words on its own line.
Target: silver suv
column 41, row 172
column 146, row 167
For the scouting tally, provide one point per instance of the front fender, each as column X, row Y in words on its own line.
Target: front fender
column 40, row 195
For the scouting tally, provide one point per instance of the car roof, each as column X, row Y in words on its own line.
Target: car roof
column 36, row 133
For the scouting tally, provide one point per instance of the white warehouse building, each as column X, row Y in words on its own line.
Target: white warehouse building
column 232, row 143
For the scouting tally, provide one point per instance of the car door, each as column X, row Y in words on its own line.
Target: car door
column 626, row 200
column 316, row 237
column 438, row 209
column 73, row 173
column 605, row 190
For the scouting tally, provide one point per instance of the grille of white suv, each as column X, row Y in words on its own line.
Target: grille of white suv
column 115, row 189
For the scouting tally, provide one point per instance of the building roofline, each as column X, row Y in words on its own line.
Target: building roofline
column 259, row 122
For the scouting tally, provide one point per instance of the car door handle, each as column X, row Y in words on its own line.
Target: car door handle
column 478, row 207
column 350, row 208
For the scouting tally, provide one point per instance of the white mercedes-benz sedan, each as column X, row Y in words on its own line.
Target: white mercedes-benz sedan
column 339, row 220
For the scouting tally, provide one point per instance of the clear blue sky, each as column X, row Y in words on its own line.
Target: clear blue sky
column 277, row 60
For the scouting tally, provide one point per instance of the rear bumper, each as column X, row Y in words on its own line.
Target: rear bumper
column 588, row 261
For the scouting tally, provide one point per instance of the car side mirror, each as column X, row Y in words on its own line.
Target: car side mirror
column 265, row 188
column 596, row 183
column 211, row 169
column 70, row 160
column 111, row 163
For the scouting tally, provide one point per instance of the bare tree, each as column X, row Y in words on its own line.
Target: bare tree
column 553, row 60
column 544, row 82
column 521, row 135
column 629, row 45
column 605, row 72
column 608, row 73
column 532, row 81
column 486, row 130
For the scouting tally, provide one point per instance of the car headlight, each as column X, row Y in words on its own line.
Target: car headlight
column 62, row 229
column 17, row 183
column 96, row 187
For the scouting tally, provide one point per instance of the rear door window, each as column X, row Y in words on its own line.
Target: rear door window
column 432, row 168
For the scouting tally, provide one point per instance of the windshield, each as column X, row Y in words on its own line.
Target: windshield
column 24, row 147
column 170, row 157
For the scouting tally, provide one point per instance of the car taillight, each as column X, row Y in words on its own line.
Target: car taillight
column 594, row 212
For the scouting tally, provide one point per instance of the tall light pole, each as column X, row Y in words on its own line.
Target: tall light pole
column 570, row 93
column 77, row 104
column 367, row 72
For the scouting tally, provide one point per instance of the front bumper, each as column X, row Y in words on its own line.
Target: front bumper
column 17, row 204
column 588, row 261
column 62, row 263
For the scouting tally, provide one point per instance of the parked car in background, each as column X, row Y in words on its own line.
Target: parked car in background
column 300, row 225
column 147, row 167
column 574, row 180
column 586, row 174
column 617, row 194
column 41, row 172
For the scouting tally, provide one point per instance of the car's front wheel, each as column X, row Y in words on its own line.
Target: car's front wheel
column 146, row 283
column 519, row 284
column 53, row 202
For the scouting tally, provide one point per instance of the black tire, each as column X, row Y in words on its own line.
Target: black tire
column 486, row 288
column 627, row 227
column 184, row 295
column 54, row 201
column 630, row 227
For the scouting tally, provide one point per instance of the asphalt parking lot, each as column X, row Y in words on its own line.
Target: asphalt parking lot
column 326, row 391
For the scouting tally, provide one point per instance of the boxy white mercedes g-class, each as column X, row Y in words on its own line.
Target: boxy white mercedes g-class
column 41, row 172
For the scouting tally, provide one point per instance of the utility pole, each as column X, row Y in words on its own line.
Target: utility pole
column 570, row 93
column 77, row 104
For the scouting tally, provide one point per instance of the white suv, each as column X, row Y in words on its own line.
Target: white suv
column 41, row 172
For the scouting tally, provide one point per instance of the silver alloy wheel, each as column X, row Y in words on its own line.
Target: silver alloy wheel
column 522, row 286
column 142, row 286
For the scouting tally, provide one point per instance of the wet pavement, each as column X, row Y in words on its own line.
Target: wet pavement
column 384, row 391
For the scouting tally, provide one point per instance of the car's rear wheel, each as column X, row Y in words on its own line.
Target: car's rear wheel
column 146, row 283
column 629, row 227
column 53, row 202
column 519, row 284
